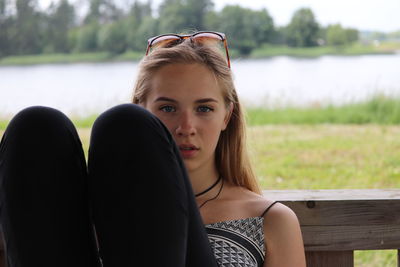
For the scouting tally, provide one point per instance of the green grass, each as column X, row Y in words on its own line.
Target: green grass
column 3, row 124
column 326, row 156
column 378, row 109
column 69, row 58
column 375, row 258
column 352, row 50
column 54, row 58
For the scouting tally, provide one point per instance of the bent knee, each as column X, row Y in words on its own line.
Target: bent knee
column 129, row 118
column 38, row 119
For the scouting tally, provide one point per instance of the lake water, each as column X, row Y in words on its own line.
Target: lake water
column 81, row 89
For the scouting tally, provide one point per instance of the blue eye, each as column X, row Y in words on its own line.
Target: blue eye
column 168, row 109
column 204, row 109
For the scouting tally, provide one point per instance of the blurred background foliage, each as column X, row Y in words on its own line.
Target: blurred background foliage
column 26, row 29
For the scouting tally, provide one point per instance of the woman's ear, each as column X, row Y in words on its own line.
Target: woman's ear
column 229, row 111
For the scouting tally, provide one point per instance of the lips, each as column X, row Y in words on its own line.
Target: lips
column 188, row 150
column 188, row 147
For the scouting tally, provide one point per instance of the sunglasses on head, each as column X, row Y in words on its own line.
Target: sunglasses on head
column 203, row 37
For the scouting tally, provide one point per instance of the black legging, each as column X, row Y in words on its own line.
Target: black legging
column 136, row 194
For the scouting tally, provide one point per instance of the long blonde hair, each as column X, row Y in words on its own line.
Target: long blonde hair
column 231, row 156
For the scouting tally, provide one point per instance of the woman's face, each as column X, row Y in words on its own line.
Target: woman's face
column 188, row 100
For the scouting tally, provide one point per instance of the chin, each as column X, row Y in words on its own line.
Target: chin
column 190, row 166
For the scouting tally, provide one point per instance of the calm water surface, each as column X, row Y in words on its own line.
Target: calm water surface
column 80, row 89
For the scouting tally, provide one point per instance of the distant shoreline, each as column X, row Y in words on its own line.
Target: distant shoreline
column 265, row 51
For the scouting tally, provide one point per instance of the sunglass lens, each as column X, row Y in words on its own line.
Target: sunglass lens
column 208, row 35
column 212, row 40
column 207, row 38
column 165, row 41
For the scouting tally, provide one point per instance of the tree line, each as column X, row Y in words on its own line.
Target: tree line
column 26, row 29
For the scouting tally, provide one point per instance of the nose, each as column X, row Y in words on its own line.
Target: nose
column 186, row 125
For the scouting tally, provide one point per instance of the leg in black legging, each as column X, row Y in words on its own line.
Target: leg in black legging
column 43, row 193
column 144, row 208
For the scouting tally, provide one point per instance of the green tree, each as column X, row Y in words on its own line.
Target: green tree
column 87, row 38
column 112, row 37
column 2, row 9
column 278, row 36
column 196, row 12
column 302, row 30
column 61, row 20
column 246, row 29
column 212, row 20
column 336, row 35
column 235, row 23
column 172, row 16
column 262, row 26
column 27, row 35
column 139, row 19
column 6, row 22
column 183, row 15
column 148, row 28
column 352, row 35
column 102, row 11
column 139, row 11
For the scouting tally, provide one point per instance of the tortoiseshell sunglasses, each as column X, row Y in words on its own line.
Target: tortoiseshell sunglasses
column 202, row 37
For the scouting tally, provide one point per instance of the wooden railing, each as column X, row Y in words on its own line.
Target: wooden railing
column 335, row 223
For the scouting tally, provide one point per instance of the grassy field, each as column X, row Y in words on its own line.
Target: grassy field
column 326, row 156
column 69, row 58
column 353, row 50
column 378, row 109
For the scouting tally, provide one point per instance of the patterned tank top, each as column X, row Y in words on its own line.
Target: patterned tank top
column 238, row 243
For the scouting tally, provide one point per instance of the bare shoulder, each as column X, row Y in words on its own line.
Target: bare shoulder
column 283, row 237
column 280, row 215
column 250, row 202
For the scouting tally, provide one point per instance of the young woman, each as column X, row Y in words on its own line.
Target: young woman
column 188, row 85
column 157, row 172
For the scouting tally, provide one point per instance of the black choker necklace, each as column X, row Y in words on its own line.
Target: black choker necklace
column 208, row 189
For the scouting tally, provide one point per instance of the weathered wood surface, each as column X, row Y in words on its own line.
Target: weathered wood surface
column 333, row 194
column 334, row 223
column 330, row 259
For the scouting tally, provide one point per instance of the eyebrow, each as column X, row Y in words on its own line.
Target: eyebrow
column 200, row 101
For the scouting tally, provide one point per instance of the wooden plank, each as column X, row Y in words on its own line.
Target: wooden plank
column 336, row 220
column 346, row 212
column 332, row 194
column 330, row 259
column 363, row 237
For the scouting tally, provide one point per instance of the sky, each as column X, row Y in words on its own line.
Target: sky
column 372, row 15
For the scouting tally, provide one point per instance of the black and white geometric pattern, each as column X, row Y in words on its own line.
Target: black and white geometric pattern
column 238, row 243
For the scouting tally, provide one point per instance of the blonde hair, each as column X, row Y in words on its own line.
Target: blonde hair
column 231, row 156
